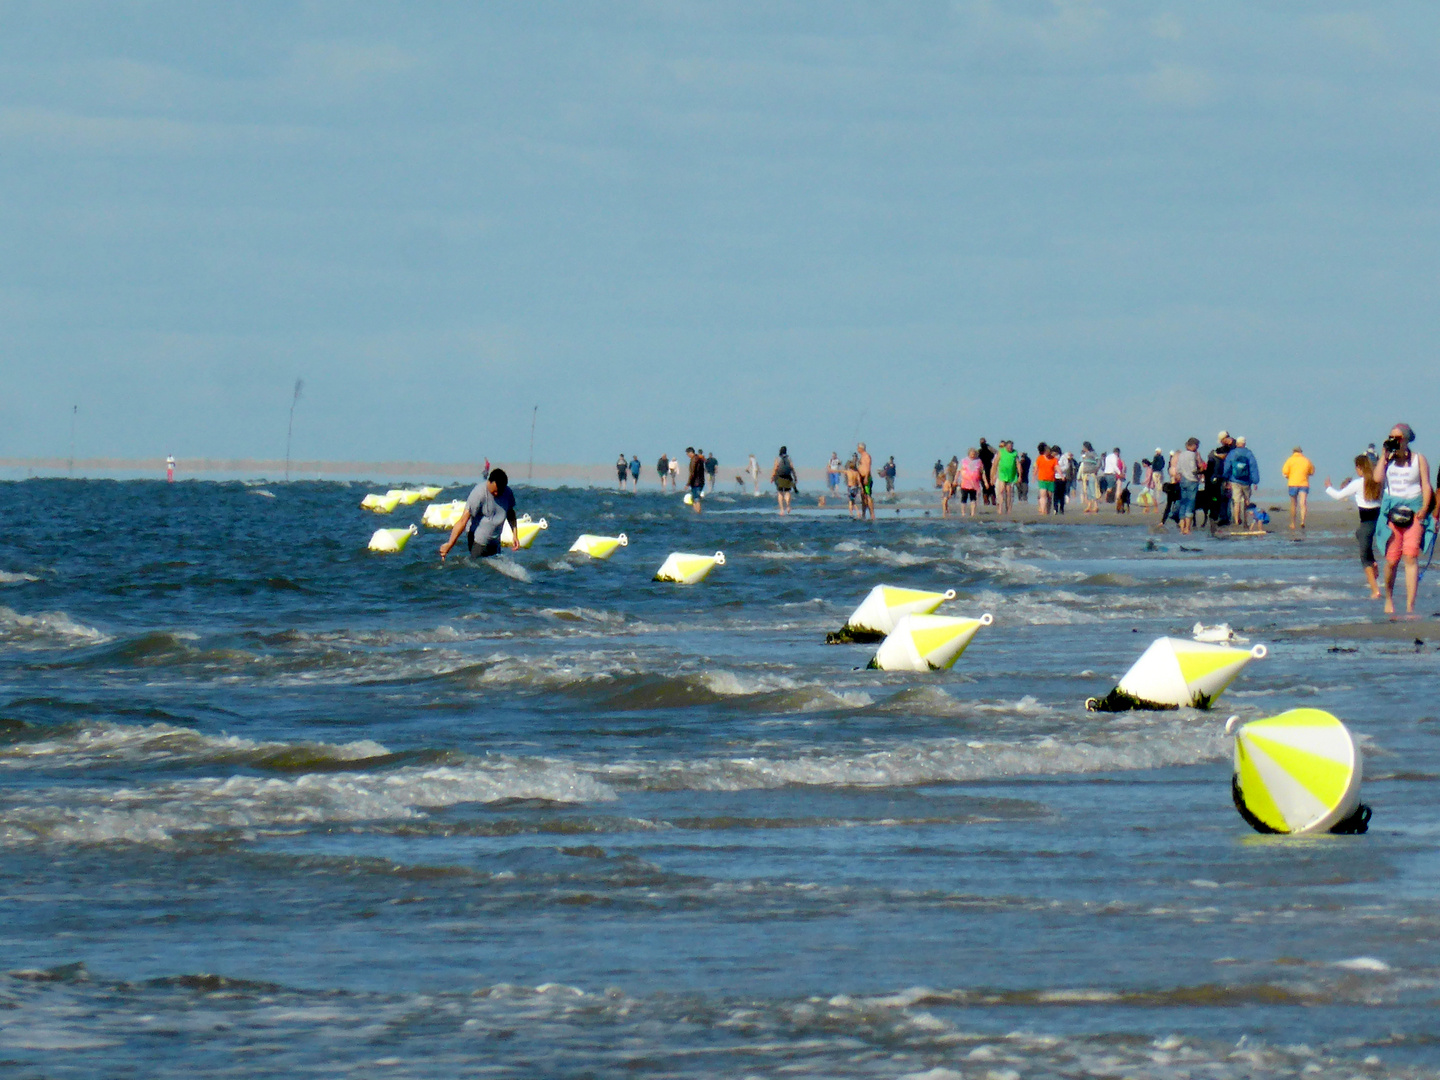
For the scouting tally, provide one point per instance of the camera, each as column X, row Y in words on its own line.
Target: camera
column 1392, row 444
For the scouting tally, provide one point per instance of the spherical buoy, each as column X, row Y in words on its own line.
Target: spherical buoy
column 882, row 609
column 927, row 642
column 1174, row 672
column 1297, row 773
column 688, row 569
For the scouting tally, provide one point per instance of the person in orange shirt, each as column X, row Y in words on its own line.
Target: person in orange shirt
column 1044, row 479
column 1298, row 469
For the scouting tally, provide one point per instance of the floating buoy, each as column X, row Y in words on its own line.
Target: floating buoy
column 528, row 530
column 599, row 547
column 443, row 515
column 404, row 496
column 1296, row 773
column 1220, row 634
column 688, row 569
column 1174, row 672
column 380, row 504
column 927, row 642
column 689, row 498
column 391, row 539
column 882, row 609
column 429, row 491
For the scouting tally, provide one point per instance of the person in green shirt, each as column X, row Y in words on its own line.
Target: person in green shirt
column 1005, row 476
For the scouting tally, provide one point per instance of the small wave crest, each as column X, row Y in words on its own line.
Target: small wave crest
column 241, row 806
column 47, row 630
column 930, row 761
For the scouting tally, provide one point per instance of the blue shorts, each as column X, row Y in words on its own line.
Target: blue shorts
column 1296, row 490
column 697, row 491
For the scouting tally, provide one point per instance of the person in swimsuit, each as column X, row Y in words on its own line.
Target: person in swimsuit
column 1405, row 508
column 852, row 485
column 864, row 466
column 490, row 506
column 948, row 485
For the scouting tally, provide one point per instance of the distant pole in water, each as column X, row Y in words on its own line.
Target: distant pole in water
column 299, row 385
column 530, row 472
column 74, row 411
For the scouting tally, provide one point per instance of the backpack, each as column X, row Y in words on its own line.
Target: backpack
column 787, row 471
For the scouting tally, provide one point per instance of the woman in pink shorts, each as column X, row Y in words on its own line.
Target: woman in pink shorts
column 1405, row 508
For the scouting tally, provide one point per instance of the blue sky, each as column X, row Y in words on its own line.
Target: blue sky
column 728, row 224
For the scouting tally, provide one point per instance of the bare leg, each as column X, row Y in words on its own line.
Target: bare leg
column 1390, row 568
column 1373, row 580
column 1304, row 498
column 1412, row 583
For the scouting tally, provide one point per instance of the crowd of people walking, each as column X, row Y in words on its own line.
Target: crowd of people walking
column 1391, row 487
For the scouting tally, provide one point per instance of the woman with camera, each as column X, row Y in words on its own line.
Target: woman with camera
column 1404, row 511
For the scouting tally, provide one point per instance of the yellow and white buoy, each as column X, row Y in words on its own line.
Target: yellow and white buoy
column 688, row 569
column 429, row 491
column 529, row 530
column 391, row 540
column 927, row 642
column 882, row 608
column 599, row 547
column 1174, row 672
column 443, row 515
column 1296, row 773
column 380, row 504
column 404, row 496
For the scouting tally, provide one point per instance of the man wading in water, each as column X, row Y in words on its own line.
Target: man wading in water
column 867, row 482
column 490, row 505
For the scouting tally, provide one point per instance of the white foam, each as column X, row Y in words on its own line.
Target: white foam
column 248, row 804
column 102, row 742
column 8, row 578
column 47, row 629
column 1363, row 963
column 939, row 761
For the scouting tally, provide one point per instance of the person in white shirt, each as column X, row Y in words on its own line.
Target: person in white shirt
column 1366, row 491
column 1406, row 476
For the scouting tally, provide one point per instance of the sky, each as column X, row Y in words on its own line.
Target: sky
column 731, row 225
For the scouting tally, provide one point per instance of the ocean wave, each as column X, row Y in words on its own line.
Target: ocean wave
column 47, row 630
column 560, row 1028
column 241, row 806
column 930, row 761
column 102, row 743
column 8, row 577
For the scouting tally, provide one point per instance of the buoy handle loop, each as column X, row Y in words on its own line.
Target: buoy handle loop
column 624, row 540
column 1259, row 652
column 414, row 531
column 949, row 594
column 719, row 558
column 986, row 619
column 1230, row 725
column 544, row 524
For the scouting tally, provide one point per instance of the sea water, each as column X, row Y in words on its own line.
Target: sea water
column 272, row 804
